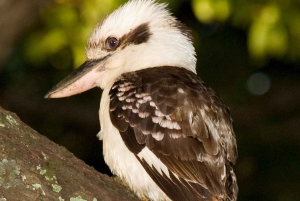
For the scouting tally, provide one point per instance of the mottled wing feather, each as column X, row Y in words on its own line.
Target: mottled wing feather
column 176, row 189
column 184, row 123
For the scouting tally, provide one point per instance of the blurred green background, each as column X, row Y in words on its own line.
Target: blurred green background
column 248, row 52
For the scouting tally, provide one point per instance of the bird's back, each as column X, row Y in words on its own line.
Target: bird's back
column 170, row 111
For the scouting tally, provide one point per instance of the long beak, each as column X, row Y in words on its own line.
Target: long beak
column 80, row 80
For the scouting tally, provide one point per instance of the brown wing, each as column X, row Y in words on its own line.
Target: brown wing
column 185, row 124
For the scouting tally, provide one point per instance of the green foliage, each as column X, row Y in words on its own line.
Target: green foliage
column 209, row 10
column 268, row 34
column 66, row 24
column 272, row 26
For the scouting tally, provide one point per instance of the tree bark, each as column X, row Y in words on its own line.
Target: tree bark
column 34, row 168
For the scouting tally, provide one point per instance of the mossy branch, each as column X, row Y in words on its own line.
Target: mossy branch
column 34, row 168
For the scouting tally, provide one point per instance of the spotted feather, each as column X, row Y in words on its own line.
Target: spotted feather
column 170, row 111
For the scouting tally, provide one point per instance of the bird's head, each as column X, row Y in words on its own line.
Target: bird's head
column 140, row 34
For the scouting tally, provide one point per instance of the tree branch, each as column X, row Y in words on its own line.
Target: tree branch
column 34, row 168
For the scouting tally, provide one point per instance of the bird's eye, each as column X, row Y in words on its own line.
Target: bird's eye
column 112, row 43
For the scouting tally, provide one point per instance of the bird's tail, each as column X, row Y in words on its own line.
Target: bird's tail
column 231, row 184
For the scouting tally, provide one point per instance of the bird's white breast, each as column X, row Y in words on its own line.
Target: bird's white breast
column 124, row 163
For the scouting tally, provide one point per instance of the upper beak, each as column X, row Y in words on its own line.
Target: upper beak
column 80, row 80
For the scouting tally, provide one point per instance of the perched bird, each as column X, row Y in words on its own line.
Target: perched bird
column 165, row 133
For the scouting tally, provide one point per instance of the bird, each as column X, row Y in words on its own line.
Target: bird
column 166, row 134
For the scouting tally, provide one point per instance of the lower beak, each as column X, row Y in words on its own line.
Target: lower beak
column 80, row 80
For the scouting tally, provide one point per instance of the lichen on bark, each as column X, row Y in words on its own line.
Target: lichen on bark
column 34, row 168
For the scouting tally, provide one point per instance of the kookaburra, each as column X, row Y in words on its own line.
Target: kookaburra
column 165, row 133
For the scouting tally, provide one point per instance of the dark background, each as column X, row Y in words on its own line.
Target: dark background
column 249, row 54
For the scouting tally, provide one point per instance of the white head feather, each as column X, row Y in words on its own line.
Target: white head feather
column 146, row 34
column 168, row 45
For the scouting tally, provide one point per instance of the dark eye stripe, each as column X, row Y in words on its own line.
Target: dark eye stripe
column 136, row 36
column 140, row 34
